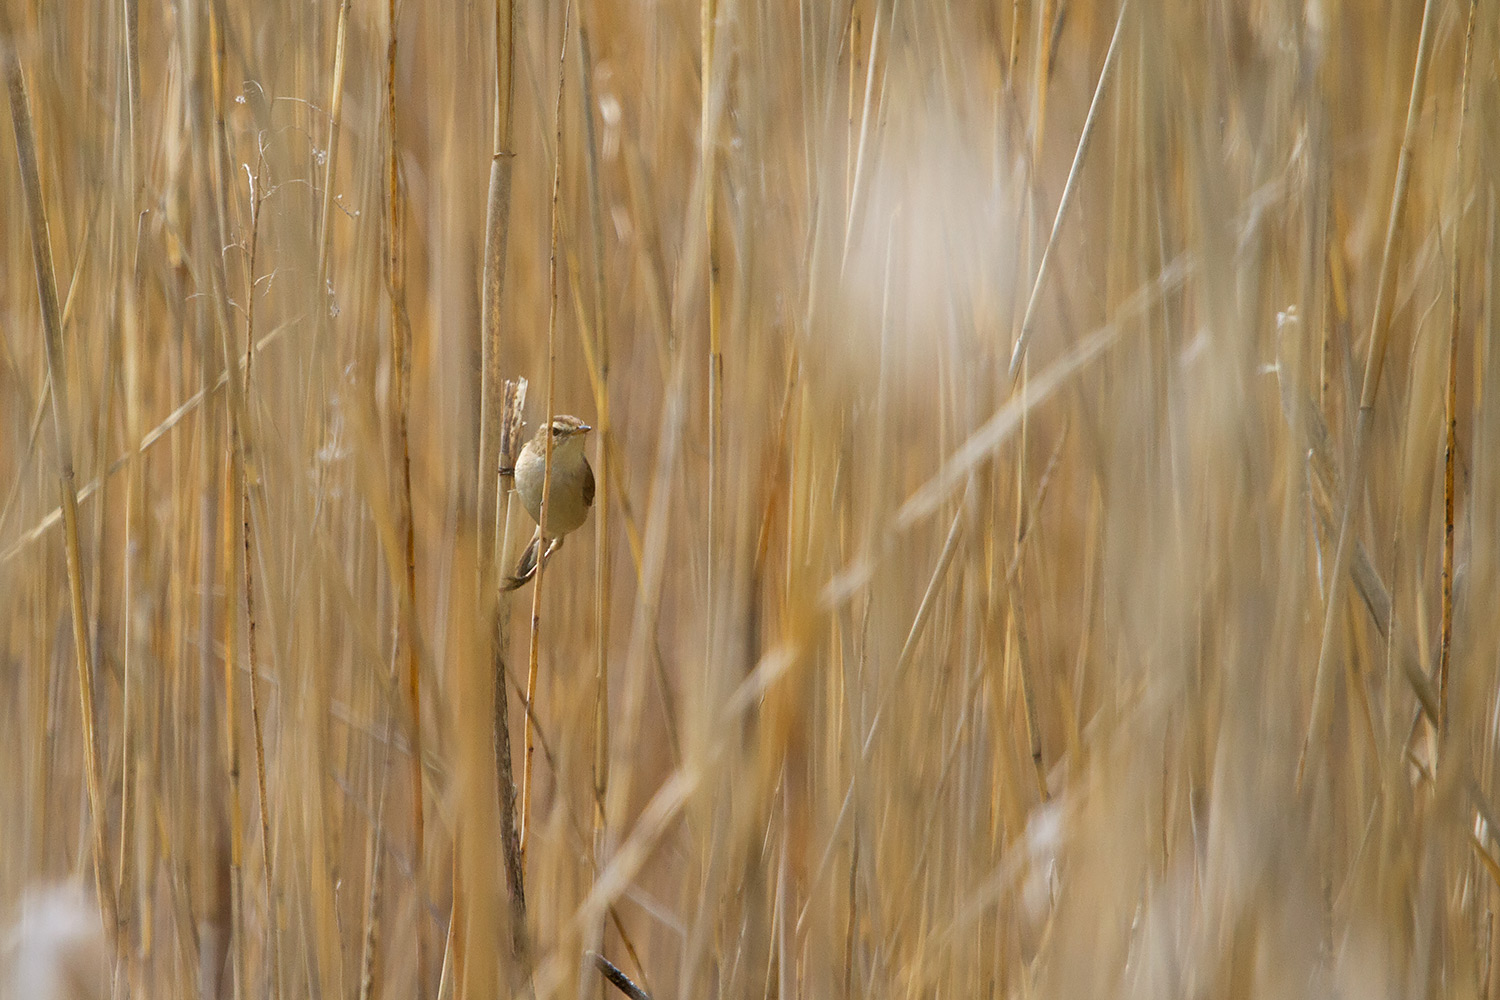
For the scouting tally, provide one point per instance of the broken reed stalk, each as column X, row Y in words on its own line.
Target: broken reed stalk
column 496, row 249
column 1380, row 325
column 46, row 283
column 541, row 553
column 400, row 393
column 1042, row 66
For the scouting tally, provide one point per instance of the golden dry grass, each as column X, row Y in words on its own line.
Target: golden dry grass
column 1152, row 657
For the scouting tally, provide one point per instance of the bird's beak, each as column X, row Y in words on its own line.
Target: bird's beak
column 584, row 428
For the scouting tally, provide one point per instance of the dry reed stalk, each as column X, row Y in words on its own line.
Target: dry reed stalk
column 541, row 561
column 218, row 909
column 148, row 441
column 596, row 366
column 38, row 421
column 903, row 662
column 499, row 401
column 214, row 910
column 514, row 404
column 708, row 169
column 46, row 283
column 976, row 678
column 648, row 599
column 1041, row 71
column 324, row 950
column 852, row 30
column 1014, row 47
column 240, row 947
column 658, row 296
column 97, row 439
column 593, row 329
column 492, row 391
column 595, row 340
column 578, row 830
column 1380, row 325
column 1450, row 428
column 247, row 475
column 335, row 124
column 399, row 403
column 1450, row 401
column 137, row 864
column 235, row 513
column 374, row 867
column 878, row 33
column 474, row 828
column 1023, row 340
column 1163, row 586
column 137, row 770
column 496, row 250
column 388, row 686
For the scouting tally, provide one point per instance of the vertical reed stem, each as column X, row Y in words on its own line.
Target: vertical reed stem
column 400, row 402
column 541, row 554
column 46, row 284
column 1380, row 326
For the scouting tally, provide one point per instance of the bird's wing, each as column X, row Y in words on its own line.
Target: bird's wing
column 588, row 484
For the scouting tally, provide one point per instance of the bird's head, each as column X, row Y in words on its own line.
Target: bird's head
column 567, row 432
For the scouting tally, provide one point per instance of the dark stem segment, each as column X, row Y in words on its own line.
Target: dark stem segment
column 243, row 459
column 510, row 839
column 1450, row 421
column 618, row 979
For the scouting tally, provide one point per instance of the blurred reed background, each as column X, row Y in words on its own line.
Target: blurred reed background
column 1030, row 558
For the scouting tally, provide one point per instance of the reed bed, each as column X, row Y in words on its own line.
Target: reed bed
column 1047, row 473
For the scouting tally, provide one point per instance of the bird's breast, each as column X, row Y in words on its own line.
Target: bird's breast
column 566, row 511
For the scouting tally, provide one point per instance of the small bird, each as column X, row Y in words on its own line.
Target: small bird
column 572, row 492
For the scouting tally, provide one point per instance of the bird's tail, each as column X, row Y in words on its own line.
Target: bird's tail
column 526, row 567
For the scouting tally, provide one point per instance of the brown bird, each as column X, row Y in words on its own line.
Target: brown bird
column 572, row 492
